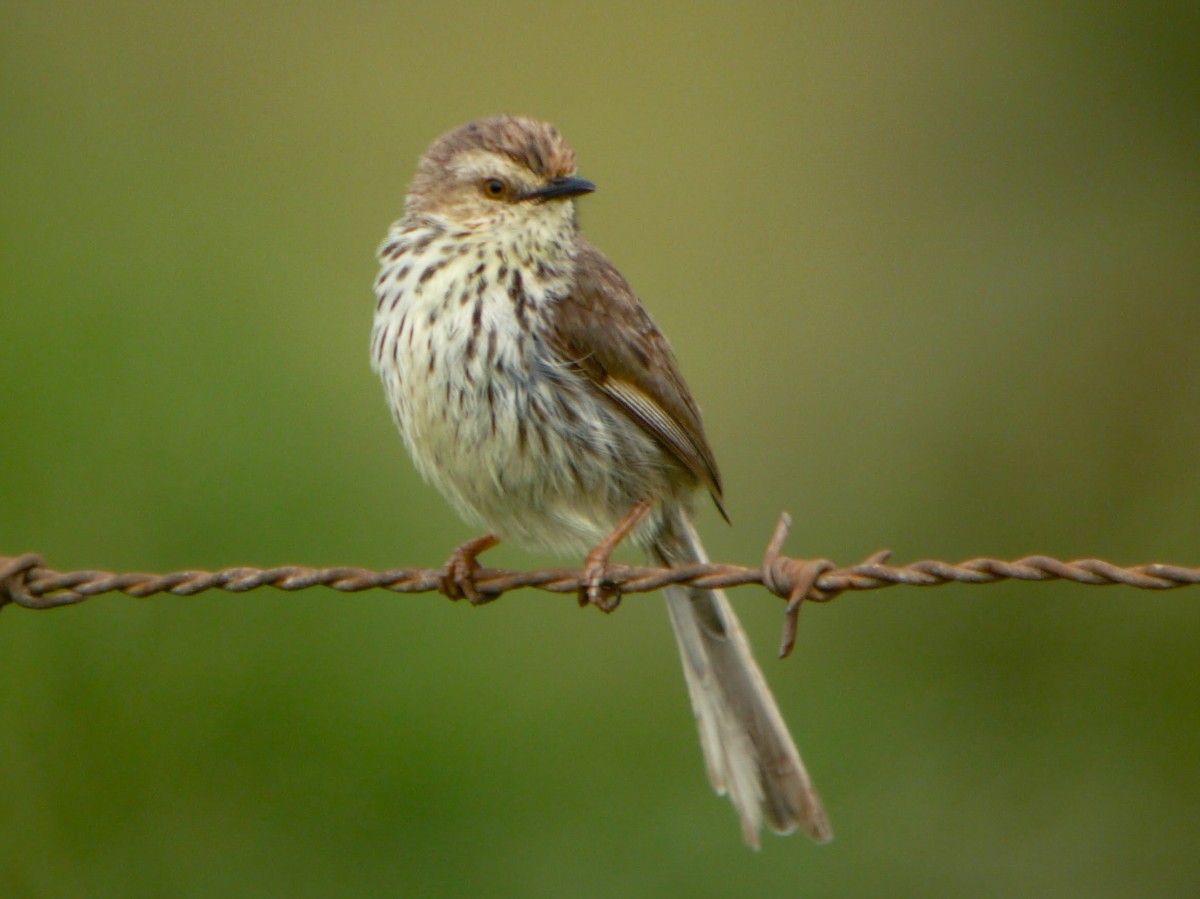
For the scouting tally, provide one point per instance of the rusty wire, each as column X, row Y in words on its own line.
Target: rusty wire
column 26, row 581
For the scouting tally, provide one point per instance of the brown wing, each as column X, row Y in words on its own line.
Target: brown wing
column 606, row 335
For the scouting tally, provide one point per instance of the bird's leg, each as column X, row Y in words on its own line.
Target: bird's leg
column 458, row 581
column 596, row 588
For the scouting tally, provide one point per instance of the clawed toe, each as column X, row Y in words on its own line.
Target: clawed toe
column 597, row 587
column 458, row 579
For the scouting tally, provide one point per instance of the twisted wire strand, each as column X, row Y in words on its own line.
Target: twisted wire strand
column 26, row 581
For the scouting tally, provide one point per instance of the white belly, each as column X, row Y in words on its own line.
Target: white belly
column 518, row 443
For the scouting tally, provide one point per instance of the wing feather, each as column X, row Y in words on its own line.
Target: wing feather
column 605, row 334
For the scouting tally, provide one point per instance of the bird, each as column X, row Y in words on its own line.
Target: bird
column 534, row 391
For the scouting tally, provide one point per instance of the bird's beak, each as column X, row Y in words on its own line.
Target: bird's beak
column 562, row 188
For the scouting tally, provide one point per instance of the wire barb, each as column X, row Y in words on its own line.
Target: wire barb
column 27, row 582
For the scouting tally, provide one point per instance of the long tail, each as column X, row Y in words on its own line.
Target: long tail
column 747, row 748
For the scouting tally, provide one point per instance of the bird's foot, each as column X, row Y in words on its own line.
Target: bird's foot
column 458, row 578
column 597, row 587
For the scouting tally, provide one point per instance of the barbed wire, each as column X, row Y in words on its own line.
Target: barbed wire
column 27, row 582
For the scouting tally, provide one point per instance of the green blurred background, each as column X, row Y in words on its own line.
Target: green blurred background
column 933, row 272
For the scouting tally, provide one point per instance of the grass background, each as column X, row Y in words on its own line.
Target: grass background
column 932, row 272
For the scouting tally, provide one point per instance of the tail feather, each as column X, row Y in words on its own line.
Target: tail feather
column 748, row 751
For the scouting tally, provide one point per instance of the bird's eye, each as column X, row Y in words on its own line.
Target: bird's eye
column 494, row 188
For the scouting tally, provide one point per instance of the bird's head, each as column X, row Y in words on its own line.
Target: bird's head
column 505, row 173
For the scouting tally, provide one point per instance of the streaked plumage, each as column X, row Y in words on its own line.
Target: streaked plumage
column 534, row 391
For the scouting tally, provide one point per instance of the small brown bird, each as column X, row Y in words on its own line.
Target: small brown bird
column 533, row 390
